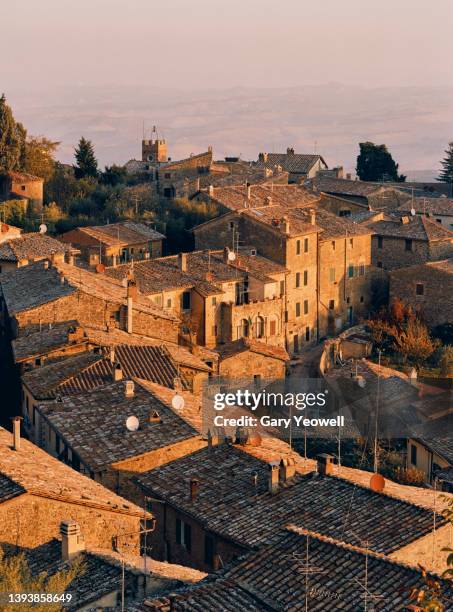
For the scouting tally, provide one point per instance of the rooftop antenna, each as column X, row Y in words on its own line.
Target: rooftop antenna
column 304, row 568
column 377, row 414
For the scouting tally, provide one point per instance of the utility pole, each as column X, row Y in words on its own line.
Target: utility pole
column 377, row 414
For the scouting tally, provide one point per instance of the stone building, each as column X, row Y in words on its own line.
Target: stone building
column 38, row 492
column 329, row 285
column 23, row 186
column 299, row 166
column 248, row 358
column 404, row 241
column 116, row 431
column 427, row 287
column 207, row 516
column 24, row 249
column 439, row 210
column 115, row 243
column 219, row 296
column 47, row 293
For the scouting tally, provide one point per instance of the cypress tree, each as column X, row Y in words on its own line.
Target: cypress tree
column 87, row 164
column 12, row 139
column 446, row 174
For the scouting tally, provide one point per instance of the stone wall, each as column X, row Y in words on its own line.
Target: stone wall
column 248, row 364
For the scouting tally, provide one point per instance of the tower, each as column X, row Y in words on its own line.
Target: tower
column 154, row 151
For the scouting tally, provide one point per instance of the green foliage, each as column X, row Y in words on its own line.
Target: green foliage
column 16, row 577
column 375, row 163
column 87, row 165
column 446, row 174
column 12, row 139
column 39, row 156
column 113, row 175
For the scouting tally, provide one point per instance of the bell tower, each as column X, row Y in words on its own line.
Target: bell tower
column 154, row 150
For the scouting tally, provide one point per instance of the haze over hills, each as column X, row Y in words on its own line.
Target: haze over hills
column 414, row 122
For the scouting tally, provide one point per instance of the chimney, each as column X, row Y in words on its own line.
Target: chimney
column 129, row 388
column 132, row 290
column 249, row 191
column 62, row 279
column 46, row 264
column 405, row 220
column 325, row 464
column 177, row 384
column 226, row 252
column 289, row 151
column 118, row 373
column 211, row 191
column 131, row 294
column 194, row 486
column 287, row 468
column 112, row 355
column 273, row 477
column 154, row 417
column 284, row 225
column 213, row 439
column 197, row 184
column 182, row 262
column 72, row 542
column 268, row 200
column 312, row 216
column 16, row 432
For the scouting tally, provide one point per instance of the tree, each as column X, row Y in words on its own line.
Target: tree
column 16, row 577
column 12, row 139
column 87, row 164
column 113, row 175
column 39, row 156
column 375, row 163
column 446, row 174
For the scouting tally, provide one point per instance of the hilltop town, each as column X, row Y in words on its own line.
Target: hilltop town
column 126, row 294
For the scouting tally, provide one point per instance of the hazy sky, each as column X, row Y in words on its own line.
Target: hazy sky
column 217, row 43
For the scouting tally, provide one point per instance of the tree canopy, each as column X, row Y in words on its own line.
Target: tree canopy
column 375, row 163
column 446, row 174
column 87, row 164
column 12, row 139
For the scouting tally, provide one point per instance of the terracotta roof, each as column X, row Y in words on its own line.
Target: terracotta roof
column 30, row 246
column 235, row 197
column 431, row 206
column 347, row 187
column 205, row 158
column 332, row 225
column 40, row 474
column 9, row 488
column 273, row 216
column 93, row 424
column 53, row 336
column 121, row 233
column 24, row 177
column 231, row 349
column 444, row 266
column 291, row 162
column 234, row 502
column 414, row 228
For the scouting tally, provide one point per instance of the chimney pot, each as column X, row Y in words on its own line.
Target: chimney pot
column 273, row 477
column 182, row 262
column 325, row 464
column 249, row 191
column 117, row 372
column 211, row 191
column 72, row 542
column 213, row 439
column 287, row 468
column 129, row 388
column 194, row 486
column 16, row 432
column 312, row 216
column 46, row 264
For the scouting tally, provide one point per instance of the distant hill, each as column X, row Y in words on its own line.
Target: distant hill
column 415, row 122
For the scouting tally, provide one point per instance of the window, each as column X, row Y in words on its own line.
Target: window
column 297, row 247
column 419, row 289
column 297, row 309
column 305, row 306
column 184, row 535
column 256, row 379
column 22, row 187
column 379, row 264
column 361, row 269
column 305, row 278
column 244, row 328
column 297, row 279
column 408, row 244
column 361, row 299
column 333, row 245
column 413, row 454
column 332, row 275
column 209, row 550
column 331, row 304
column 186, row 302
column 439, row 220
column 305, row 245
column 169, row 303
column 307, row 334
column 296, row 343
column 259, row 327
column 167, row 175
column 351, row 243
column 286, row 316
column 214, row 330
column 345, row 213
column 272, row 328
column 282, row 287
column 214, row 301
column 380, row 242
column 351, row 271
column 231, row 225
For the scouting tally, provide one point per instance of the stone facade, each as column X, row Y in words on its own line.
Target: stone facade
column 428, row 287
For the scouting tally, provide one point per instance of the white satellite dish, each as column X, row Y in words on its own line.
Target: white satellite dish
column 413, row 212
column 177, row 402
column 43, row 228
column 132, row 423
column 231, row 255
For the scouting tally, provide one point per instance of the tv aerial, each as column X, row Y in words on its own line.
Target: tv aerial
column 132, row 423
column 42, row 228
